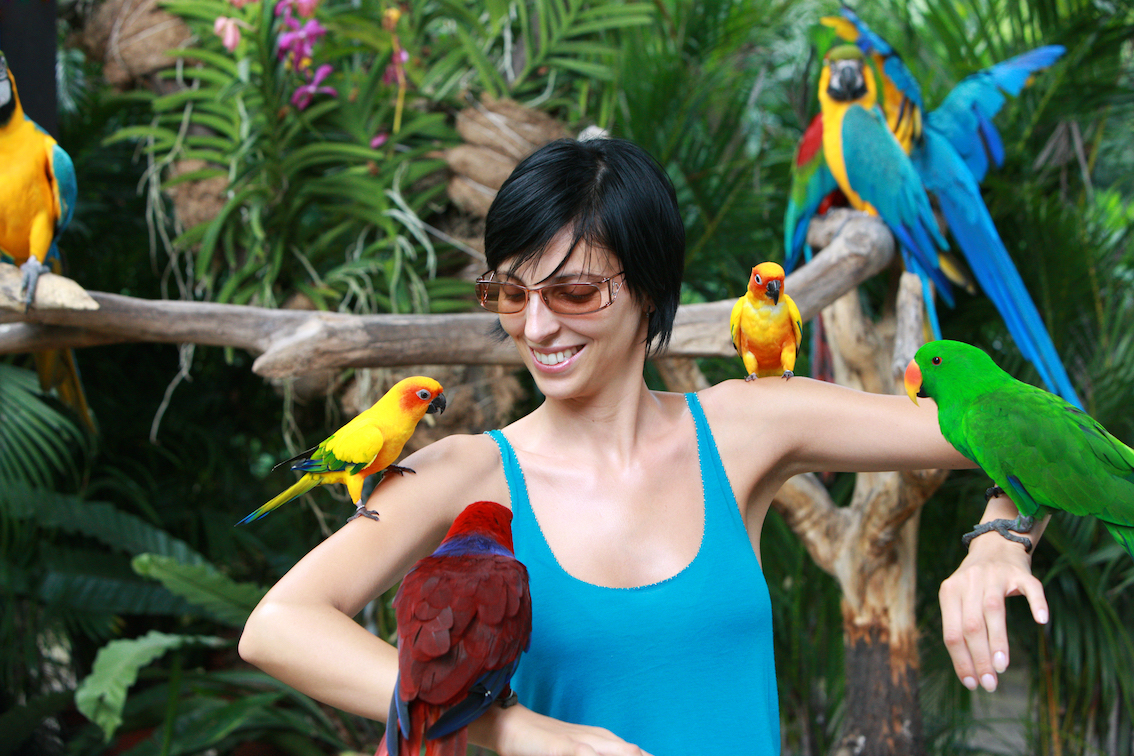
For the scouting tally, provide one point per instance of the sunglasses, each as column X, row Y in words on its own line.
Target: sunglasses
column 571, row 298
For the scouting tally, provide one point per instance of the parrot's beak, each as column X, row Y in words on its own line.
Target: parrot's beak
column 773, row 288
column 913, row 381
column 437, row 406
column 847, row 82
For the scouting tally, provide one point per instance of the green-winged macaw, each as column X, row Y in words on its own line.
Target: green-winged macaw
column 951, row 150
column 37, row 198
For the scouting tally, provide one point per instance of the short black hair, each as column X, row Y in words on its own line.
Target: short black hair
column 615, row 196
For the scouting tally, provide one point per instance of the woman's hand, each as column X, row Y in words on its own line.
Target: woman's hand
column 972, row 605
column 518, row 731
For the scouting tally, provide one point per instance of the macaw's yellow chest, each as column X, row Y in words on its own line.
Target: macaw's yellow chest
column 28, row 205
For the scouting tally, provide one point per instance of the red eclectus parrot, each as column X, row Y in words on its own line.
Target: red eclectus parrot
column 951, row 152
column 464, row 617
column 37, row 194
column 1041, row 450
column 765, row 325
column 367, row 444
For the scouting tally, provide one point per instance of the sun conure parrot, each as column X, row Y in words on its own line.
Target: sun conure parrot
column 765, row 325
column 1041, row 450
column 951, row 152
column 37, row 200
column 464, row 617
column 367, row 444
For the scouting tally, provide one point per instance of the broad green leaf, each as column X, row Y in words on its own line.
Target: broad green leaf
column 223, row 598
column 102, row 694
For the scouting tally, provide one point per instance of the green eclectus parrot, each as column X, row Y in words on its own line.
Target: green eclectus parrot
column 37, row 199
column 1038, row 448
column 952, row 151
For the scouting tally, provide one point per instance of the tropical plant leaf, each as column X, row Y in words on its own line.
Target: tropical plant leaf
column 18, row 723
column 37, row 441
column 104, row 522
column 224, row 599
column 101, row 696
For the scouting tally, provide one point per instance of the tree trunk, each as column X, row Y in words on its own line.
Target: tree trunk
column 870, row 546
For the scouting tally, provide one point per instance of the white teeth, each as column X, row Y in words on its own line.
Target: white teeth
column 555, row 357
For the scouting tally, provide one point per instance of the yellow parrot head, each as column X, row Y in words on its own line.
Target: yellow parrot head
column 848, row 73
column 767, row 282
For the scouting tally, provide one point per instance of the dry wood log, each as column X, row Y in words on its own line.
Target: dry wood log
column 52, row 292
column 291, row 342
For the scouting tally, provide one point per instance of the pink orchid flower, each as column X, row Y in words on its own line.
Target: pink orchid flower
column 241, row 3
column 379, row 140
column 299, row 42
column 390, row 75
column 228, row 29
column 305, row 8
column 305, row 93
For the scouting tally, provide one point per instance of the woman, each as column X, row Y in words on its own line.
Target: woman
column 652, row 626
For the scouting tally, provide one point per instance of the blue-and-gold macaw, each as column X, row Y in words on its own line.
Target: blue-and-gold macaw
column 952, row 151
column 37, row 198
column 874, row 172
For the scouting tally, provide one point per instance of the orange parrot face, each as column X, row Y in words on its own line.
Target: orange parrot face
column 767, row 282
column 421, row 396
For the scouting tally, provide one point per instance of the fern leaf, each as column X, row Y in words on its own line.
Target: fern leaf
column 223, row 598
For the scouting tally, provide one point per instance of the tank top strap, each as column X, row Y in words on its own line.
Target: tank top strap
column 721, row 510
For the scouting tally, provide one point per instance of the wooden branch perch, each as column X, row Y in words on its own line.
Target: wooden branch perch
column 292, row 342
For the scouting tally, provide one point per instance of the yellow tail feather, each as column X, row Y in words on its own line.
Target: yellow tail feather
column 300, row 487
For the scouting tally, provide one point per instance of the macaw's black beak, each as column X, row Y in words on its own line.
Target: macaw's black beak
column 847, row 81
column 437, row 406
column 773, row 288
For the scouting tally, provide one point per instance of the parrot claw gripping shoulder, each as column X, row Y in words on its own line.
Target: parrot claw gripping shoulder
column 464, row 617
column 1039, row 449
column 367, row 444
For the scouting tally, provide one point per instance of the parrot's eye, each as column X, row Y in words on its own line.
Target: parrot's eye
column 756, row 278
column 936, row 360
column 423, row 395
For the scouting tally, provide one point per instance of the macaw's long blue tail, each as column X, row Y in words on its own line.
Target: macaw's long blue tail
column 945, row 174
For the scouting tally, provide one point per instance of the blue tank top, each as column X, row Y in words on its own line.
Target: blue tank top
column 677, row 667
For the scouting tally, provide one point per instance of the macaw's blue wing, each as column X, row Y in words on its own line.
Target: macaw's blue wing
column 882, row 174
column 893, row 66
column 965, row 116
column 66, row 187
column 945, row 174
column 811, row 184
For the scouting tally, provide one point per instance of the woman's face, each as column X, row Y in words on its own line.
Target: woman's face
column 575, row 355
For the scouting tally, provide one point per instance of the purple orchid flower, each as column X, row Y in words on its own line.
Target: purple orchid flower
column 303, row 94
column 299, row 41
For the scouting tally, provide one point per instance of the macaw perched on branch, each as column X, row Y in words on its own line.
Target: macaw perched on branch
column 37, row 200
column 37, row 189
column 874, row 172
column 464, row 617
column 367, row 444
column 765, row 330
column 951, row 150
column 1041, row 450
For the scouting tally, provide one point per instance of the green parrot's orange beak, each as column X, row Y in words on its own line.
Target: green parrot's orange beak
column 913, row 380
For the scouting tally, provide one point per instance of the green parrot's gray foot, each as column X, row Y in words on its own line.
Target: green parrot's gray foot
column 992, row 492
column 1006, row 528
column 362, row 511
column 31, row 271
column 788, row 374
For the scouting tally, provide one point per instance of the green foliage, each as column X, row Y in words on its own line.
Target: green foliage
column 38, row 442
column 222, row 598
column 102, row 695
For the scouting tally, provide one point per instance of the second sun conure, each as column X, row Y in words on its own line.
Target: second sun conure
column 765, row 325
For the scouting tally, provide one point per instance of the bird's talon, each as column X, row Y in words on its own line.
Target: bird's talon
column 750, row 377
column 400, row 470
column 992, row 492
column 1006, row 528
column 362, row 511
column 788, row 374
